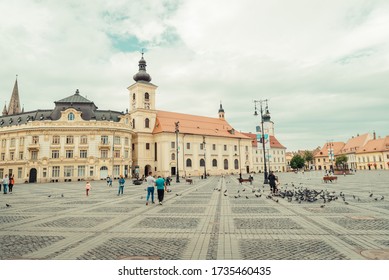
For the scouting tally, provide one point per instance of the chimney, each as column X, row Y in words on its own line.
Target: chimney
column 374, row 136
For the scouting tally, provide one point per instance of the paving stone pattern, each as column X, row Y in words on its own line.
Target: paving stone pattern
column 216, row 218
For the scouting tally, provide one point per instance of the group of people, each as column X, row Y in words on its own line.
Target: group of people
column 7, row 183
column 160, row 184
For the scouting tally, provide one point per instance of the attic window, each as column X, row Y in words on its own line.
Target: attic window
column 19, row 119
column 41, row 117
column 2, row 122
column 71, row 117
column 11, row 120
column 103, row 117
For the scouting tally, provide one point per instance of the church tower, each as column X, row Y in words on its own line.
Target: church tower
column 221, row 111
column 14, row 103
column 142, row 100
column 268, row 125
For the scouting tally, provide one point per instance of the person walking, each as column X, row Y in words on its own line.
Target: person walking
column 110, row 182
column 121, row 185
column 11, row 183
column 108, row 179
column 150, row 188
column 272, row 182
column 5, row 184
column 161, row 188
column 88, row 187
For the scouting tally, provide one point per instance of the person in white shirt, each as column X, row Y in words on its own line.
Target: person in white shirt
column 150, row 188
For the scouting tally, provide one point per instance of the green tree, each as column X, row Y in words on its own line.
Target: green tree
column 297, row 162
column 308, row 157
column 341, row 161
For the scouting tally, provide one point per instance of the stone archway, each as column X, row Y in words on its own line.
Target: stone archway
column 103, row 172
column 33, row 176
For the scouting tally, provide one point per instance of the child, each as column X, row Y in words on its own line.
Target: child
column 87, row 188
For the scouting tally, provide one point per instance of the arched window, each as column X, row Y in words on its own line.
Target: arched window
column 236, row 164
column 225, row 164
column 188, row 162
column 71, row 117
column 173, row 156
column 214, row 163
column 202, row 162
column 147, row 123
column 133, row 124
column 133, row 96
column 147, row 96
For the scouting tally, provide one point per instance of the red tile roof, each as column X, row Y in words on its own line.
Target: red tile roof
column 355, row 143
column 197, row 125
column 375, row 145
column 323, row 152
column 274, row 143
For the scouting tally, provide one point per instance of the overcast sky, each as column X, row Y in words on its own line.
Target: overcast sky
column 323, row 65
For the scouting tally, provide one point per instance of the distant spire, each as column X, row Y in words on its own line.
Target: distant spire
column 14, row 103
column 221, row 111
column 5, row 112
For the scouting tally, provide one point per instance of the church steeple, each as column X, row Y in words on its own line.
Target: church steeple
column 14, row 103
column 142, row 75
column 5, row 112
column 221, row 111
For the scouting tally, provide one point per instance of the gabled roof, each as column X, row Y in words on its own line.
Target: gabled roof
column 196, row 125
column 323, row 152
column 375, row 145
column 355, row 143
column 274, row 143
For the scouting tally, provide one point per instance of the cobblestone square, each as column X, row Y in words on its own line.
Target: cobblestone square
column 213, row 219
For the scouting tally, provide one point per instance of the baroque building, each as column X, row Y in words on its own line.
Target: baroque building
column 76, row 141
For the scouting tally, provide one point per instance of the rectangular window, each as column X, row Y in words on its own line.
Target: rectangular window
column 20, row 155
column 21, row 141
column 214, row 147
column 147, row 146
column 34, row 155
column 55, row 154
column 173, row 145
column 55, row 171
column 68, row 171
column 91, row 171
column 225, row 147
column 3, row 143
column 35, row 139
column 104, row 140
column 116, row 170
column 188, row 146
column 20, row 172
column 83, row 139
column 69, row 153
column 104, row 153
column 81, row 171
column 117, row 153
column 116, row 140
column 83, row 153
column 1, row 173
column 12, row 155
column 2, row 158
column 201, row 146
column 235, row 148
column 126, row 141
column 12, row 142
column 247, row 148
column 44, row 173
column 126, row 154
column 69, row 139
column 56, row 140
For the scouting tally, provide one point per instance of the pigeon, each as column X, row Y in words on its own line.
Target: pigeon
column 8, row 205
column 225, row 191
column 49, row 195
column 225, row 194
column 322, row 206
column 371, row 195
column 346, row 202
column 62, row 195
column 382, row 197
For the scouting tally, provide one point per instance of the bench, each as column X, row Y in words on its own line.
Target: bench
column 190, row 181
column 241, row 180
column 329, row 178
column 137, row 182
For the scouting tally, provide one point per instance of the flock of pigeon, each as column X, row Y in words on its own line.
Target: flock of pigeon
column 301, row 194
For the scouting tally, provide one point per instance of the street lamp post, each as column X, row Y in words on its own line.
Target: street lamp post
column 330, row 146
column 205, row 168
column 266, row 180
column 177, row 131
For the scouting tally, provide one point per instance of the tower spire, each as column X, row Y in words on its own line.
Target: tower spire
column 5, row 112
column 221, row 111
column 142, row 75
column 14, row 103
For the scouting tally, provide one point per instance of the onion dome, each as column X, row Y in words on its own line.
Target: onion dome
column 142, row 75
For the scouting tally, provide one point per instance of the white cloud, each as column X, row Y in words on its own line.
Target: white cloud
column 323, row 65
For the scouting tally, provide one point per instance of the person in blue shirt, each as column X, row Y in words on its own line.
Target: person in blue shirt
column 121, row 185
column 161, row 188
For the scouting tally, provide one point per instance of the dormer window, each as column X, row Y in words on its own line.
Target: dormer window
column 41, row 117
column 11, row 120
column 71, row 117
